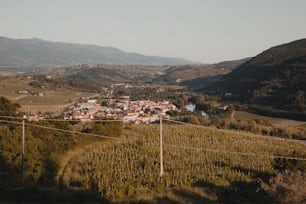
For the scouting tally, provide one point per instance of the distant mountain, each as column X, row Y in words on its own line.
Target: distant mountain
column 232, row 64
column 37, row 52
column 274, row 79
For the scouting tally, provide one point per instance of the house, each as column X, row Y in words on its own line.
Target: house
column 22, row 92
column 228, row 94
column 92, row 101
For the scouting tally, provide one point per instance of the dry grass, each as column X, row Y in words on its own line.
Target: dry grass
column 243, row 115
column 290, row 126
column 52, row 99
column 69, row 170
column 42, row 108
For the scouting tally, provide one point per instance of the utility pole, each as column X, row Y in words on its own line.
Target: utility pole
column 23, row 139
column 161, row 145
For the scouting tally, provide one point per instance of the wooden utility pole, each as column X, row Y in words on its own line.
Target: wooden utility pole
column 161, row 145
column 23, row 157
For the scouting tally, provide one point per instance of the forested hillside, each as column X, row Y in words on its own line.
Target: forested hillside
column 274, row 79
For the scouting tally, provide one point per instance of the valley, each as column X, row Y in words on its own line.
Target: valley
column 96, row 132
column 152, row 102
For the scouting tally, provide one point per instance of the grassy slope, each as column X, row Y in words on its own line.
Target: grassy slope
column 128, row 172
column 242, row 115
column 292, row 125
column 191, row 175
column 179, row 74
column 51, row 101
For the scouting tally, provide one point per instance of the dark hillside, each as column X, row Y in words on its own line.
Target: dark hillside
column 274, row 79
column 232, row 64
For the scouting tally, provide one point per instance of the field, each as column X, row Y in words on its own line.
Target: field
column 51, row 99
column 43, row 108
column 199, row 165
column 243, row 115
column 291, row 125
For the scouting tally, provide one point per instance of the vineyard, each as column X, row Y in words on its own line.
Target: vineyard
column 129, row 168
column 176, row 162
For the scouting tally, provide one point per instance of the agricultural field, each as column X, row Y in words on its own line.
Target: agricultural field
column 293, row 126
column 243, row 115
column 50, row 99
column 10, row 86
column 200, row 164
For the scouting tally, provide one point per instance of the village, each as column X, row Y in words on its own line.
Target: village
column 137, row 112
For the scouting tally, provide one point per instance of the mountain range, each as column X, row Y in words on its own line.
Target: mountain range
column 38, row 52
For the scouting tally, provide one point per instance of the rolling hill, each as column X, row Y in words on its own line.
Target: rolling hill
column 179, row 74
column 232, row 64
column 273, row 80
column 193, row 74
column 37, row 52
column 106, row 74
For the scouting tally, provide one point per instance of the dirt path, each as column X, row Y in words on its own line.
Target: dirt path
column 69, row 162
column 233, row 115
column 16, row 98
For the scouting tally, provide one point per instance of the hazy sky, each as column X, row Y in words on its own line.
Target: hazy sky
column 200, row 30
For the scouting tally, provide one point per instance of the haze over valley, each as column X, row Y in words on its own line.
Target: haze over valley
column 206, row 104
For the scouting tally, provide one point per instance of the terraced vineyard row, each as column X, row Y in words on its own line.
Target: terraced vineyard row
column 191, row 155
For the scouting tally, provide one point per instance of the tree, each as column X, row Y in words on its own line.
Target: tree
column 58, row 142
column 10, row 150
column 112, row 129
column 299, row 101
column 7, row 108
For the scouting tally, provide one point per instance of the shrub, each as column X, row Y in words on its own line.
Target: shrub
column 288, row 187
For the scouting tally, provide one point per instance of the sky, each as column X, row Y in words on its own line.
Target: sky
column 206, row 31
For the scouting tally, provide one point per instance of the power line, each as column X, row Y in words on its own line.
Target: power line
column 170, row 145
column 233, row 131
column 74, row 132
column 233, row 152
column 12, row 117
column 63, row 120
column 13, row 122
column 173, row 121
column 63, row 130
column 185, row 147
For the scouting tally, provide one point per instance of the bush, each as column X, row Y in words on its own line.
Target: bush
column 10, row 151
column 111, row 129
column 281, row 164
column 288, row 187
column 7, row 108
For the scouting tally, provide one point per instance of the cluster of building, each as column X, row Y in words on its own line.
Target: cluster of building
column 142, row 111
column 30, row 93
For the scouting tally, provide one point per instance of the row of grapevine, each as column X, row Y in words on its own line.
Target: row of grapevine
column 191, row 155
